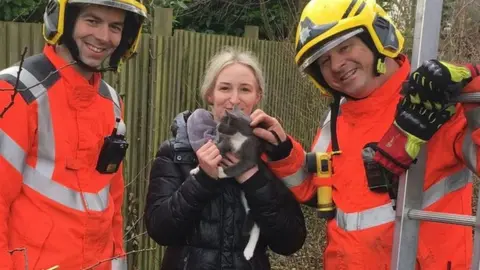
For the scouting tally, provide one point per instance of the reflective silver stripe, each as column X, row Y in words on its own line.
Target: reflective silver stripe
column 12, row 152
column 97, row 201
column 40, row 177
column 10, row 71
column 469, row 151
column 46, row 139
column 326, row 134
column 46, row 142
column 34, row 86
column 324, row 139
column 365, row 219
column 64, row 195
column 384, row 213
column 297, row 178
column 321, row 145
column 447, row 185
column 117, row 111
column 473, row 118
column 115, row 98
column 119, row 264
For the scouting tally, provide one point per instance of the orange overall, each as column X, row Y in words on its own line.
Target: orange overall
column 361, row 234
column 53, row 202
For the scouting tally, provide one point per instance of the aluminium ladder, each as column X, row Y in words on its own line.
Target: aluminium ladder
column 409, row 211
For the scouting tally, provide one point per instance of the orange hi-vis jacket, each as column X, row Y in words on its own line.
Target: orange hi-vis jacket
column 361, row 234
column 53, row 203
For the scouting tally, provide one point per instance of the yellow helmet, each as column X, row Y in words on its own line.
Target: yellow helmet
column 60, row 15
column 326, row 23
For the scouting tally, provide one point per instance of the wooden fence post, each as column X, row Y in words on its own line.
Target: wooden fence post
column 162, row 27
column 251, row 31
column 163, row 21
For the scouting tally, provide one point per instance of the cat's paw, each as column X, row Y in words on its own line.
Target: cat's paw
column 252, row 242
column 194, row 171
column 221, row 173
column 248, row 253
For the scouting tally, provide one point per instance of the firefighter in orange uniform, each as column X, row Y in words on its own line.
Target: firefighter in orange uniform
column 351, row 50
column 63, row 141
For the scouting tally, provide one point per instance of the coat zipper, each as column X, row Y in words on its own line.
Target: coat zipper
column 185, row 260
column 221, row 231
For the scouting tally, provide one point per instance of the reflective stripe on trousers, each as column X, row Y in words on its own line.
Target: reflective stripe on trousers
column 384, row 213
column 468, row 148
column 40, row 177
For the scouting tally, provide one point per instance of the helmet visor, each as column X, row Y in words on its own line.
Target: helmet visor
column 125, row 5
column 327, row 47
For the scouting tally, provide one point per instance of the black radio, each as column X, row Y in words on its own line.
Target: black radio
column 113, row 150
column 379, row 179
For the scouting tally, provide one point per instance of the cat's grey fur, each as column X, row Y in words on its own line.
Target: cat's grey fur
column 234, row 134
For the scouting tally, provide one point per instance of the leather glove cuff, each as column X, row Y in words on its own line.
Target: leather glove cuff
column 280, row 151
column 474, row 69
column 397, row 150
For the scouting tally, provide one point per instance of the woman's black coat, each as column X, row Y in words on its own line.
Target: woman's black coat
column 201, row 219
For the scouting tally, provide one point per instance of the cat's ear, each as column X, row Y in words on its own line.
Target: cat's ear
column 237, row 110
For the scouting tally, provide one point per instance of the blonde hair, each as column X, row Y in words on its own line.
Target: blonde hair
column 225, row 57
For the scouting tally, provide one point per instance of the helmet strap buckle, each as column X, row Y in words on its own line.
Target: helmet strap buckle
column 381, row 67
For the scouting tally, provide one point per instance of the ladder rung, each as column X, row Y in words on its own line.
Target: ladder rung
column 457, row 219
column 468, row 98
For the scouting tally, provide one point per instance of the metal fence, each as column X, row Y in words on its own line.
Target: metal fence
column 163, row 80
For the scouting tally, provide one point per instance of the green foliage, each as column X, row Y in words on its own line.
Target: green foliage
column 275, row 18
column 387, row 5
column 21, row 10
column 230, row 17
column 175, row 4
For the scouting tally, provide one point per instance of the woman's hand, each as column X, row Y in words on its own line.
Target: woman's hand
column 230, row 160
column 265, row 126
column 209, row 158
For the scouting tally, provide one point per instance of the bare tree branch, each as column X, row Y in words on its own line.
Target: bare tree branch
column 133, row 226
column 263, row 9
column 15, row 87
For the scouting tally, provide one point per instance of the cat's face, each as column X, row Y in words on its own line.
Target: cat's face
column 236, row 85
column 233, row 122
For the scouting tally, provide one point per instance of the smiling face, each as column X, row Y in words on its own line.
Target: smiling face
column 237, row 85
column 97, row 33
column 348, row 68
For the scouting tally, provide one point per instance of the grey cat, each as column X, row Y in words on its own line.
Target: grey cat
column 234, row 134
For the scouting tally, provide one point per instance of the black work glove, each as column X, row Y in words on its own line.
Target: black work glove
column 421, row 112
column 438, row 82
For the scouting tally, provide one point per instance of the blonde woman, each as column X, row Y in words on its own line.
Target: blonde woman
column 200, row 218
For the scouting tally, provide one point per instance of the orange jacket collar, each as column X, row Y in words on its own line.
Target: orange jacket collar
column 68, row 71
column 81, row 93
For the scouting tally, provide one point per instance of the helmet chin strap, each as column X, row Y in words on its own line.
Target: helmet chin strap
column 116, row 56
column 72, row 47
column 75, row 53
column 86, row 67
column 379, row 69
